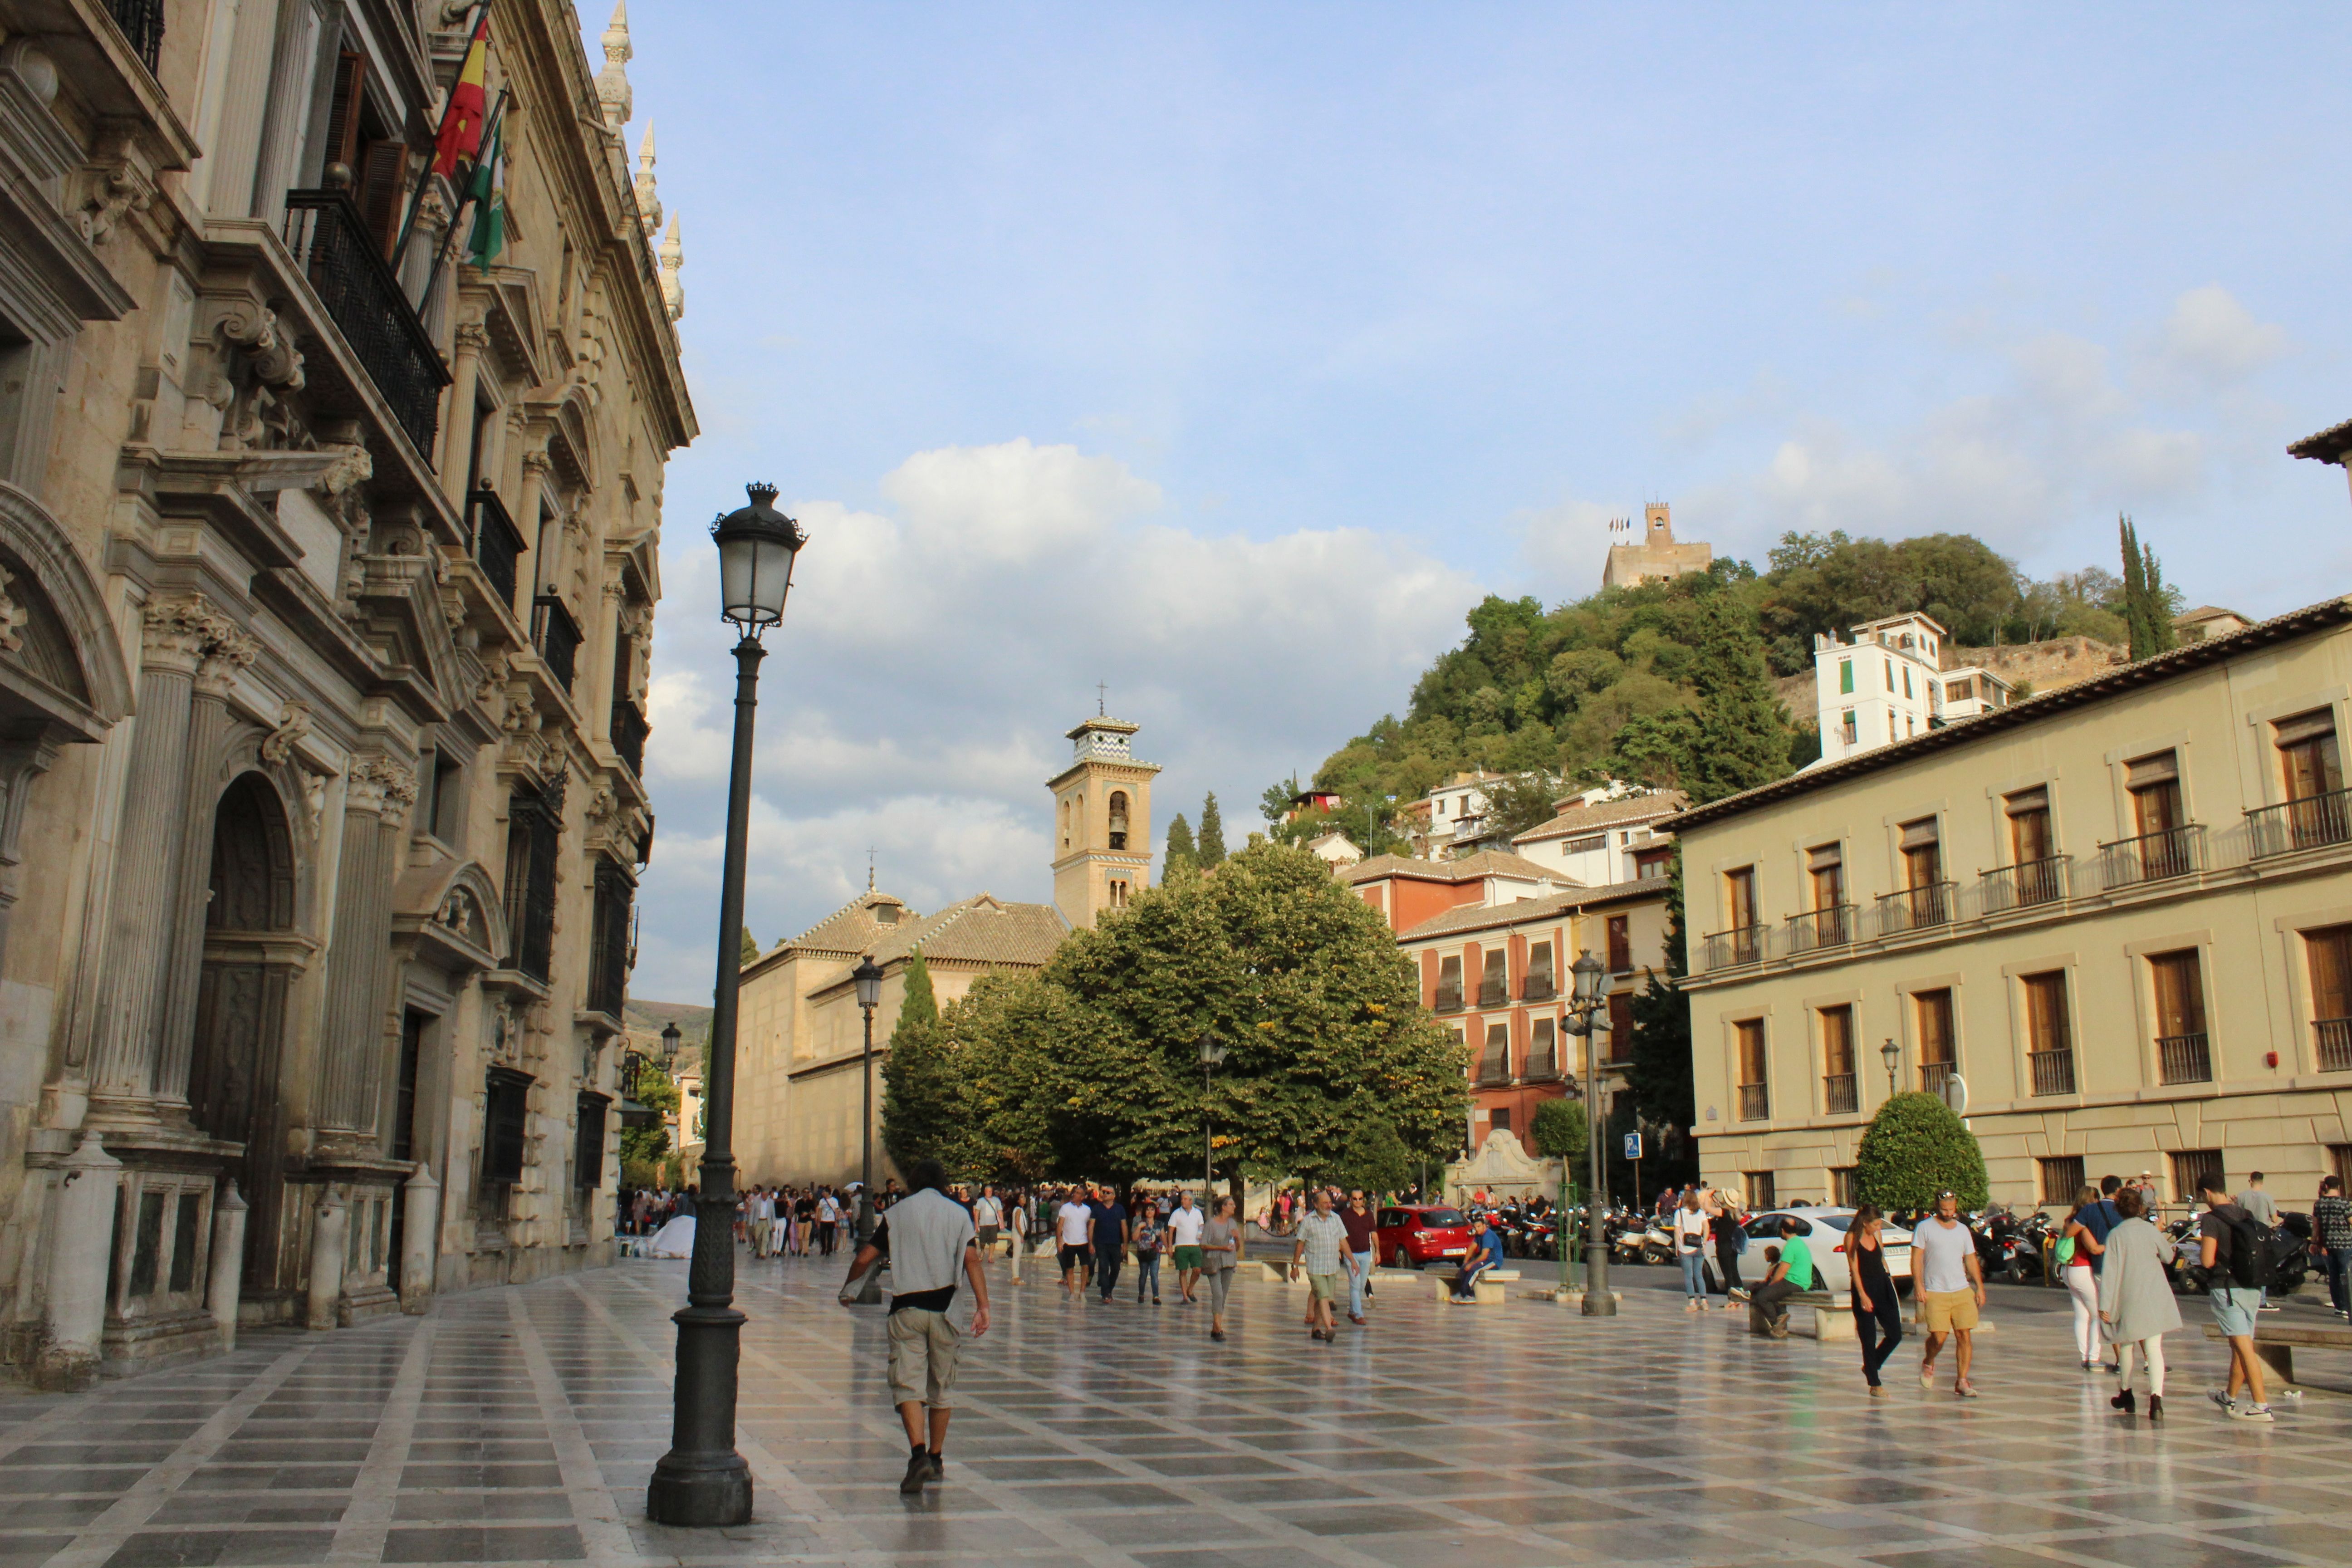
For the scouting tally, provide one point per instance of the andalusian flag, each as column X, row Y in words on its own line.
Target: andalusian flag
column 488, row 191
column 461, row 121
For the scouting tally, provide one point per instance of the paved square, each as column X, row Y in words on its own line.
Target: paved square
column 518, row 1426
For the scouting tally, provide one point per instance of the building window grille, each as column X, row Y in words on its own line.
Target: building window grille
column 608, row 958
column 1938, row 1047
column 1755, row 1095
column 1843, row 1191
column 142, row 22
column 2328, row 952
column 588, row 1145
column 2060, row 1176
column 1543, row 1049
column 1621, row 944
column 2191, row 1168
column 557, row 636
column 1840, row 1095
column 506, row 1107
column 1538, row 985
column 2049, row 1035
column 1494, row 984
column 494, row 541
column 1494, row 1065
column 1763, row 1190
column 534, row 833
column 341, row 255
column 1449, row 984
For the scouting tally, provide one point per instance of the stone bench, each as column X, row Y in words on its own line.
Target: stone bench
column 1488, row 1288
column 2276, row 1342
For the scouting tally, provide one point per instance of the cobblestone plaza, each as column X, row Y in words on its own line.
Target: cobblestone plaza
column 520, row 1425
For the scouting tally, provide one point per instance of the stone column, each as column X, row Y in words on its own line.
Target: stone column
column 291, row 68
column 179, row 635
column 420, row 1230
column 329, row 1237
column 230, row 158
column 602, row 652
column 377, row 793
column 457, row 425
column 526, row 518
column 210, row 723
column 228, row 1280
column 81, row 1238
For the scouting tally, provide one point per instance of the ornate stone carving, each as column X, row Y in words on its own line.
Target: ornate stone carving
column 187, row 630
column 536, row 463
column 13, row 615
column 379, row 784
column 293, row 723
column 472, row 337
column 269, row 347
column 110, row 191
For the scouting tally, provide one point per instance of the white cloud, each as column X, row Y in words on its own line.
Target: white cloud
column 1014, row 501
column 2212, row 338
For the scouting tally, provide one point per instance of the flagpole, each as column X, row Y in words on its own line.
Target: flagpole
column 425, row 176
column 490, row 130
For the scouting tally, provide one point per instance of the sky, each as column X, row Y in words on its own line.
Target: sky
column 1227, row 354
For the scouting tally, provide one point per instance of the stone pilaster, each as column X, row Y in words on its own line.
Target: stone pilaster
column 538, row 540
column 457, row 425
column 377, row 794
column 209, row 724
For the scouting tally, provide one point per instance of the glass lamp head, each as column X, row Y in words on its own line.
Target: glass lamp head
column 1212, row 1050
column 1588, row 971
column 868, row 978
column 757, row 546
column 671, row 1035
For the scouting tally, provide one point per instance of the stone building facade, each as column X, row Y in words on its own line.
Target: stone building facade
column 1658, row 555
column 323, row 624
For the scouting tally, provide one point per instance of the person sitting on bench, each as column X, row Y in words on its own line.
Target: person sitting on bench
column 1485, row 1252
column 1791, row 1276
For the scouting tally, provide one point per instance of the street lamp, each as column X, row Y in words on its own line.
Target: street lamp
column 867, row 977
column 671, row 1035
column 702, row 1480
column 1212, row 1052
column 1583, row 1005
column 1892, row 1055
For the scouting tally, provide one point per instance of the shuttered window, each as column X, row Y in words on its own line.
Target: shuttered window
column 506, row 1105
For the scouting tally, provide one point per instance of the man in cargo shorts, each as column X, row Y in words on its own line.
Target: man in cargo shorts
column 929, row 1240
column 1947, row 1282
column 1322, row 1246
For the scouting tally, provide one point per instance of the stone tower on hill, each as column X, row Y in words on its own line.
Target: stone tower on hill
column 1102, row 821
column 1657, row 555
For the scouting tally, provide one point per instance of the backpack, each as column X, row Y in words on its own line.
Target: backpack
column 2248, row 1251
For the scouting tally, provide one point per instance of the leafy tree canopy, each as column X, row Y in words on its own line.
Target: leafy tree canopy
column 1914, row 1147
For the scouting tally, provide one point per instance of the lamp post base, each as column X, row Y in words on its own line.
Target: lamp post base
column 1599, row 1302
column 702, row 1481
column 690, row 1493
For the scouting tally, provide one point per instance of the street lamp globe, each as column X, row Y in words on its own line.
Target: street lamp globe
column 868, row 977
column 757, row 546
column 1588, row 972
column 1892, row 1055
column 1212, row 1050
column 671, row 1035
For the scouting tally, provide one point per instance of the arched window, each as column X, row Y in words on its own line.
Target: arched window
column 1118, row 819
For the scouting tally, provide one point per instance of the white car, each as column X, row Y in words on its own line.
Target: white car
column 1824, row 1231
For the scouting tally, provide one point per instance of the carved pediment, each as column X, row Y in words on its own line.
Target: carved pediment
column 449, row 915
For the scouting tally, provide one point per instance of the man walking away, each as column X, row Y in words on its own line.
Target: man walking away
column 1321, row 1245
column 987, row 1219
column 1184, row 1227
column 2232, row 1252
column 828, row 1222
column 2331, row 1220
column 1947, row 1282
column 1110, row 1242
column 1796, row 1277
column 2098, row 1218
column 929, row 1240
column 1358, row 1219
column 2257, row 1202
column 1073, row 1227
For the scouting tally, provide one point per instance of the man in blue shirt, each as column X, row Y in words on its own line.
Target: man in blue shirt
column 1110, row 1241
column 1485, row 1252
column 2099, row 1219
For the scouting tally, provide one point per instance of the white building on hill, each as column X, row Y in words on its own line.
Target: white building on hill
column 1888, row 685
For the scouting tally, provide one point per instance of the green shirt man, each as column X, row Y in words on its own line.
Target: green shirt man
column 1800, row 1260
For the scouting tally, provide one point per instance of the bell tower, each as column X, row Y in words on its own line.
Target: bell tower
column 1102, row 821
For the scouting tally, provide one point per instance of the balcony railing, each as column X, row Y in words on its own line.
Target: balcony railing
column 1933, row 1076
column 1543, row 1064
column 344, row 261
column 1449, row 999
column 2310, row 823
column 1923, row 908
column 1839, row 1097
column 1495, row 1070
column 1741, row 944
column 629, row 731
column 493, row 541
column 1755, row 1102
column 2335, row 1044
column 2052, row 1071
column 2026, row 884
column 1817, row 928
column 2184, row 1059
column 556, row 635
column 1537, row 987
column 2153, row 856
column 142, row 22
column 1492, row 992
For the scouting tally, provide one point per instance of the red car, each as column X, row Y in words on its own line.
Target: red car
column 1411, row 1237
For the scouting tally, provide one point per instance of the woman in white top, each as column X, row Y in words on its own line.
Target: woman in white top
column 1690, row 1250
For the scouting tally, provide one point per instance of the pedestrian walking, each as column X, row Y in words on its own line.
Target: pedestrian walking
column 1074, row 1225
column 1690, row 1250
column 2136, row 1300
column 1358, row 1219
column 828, row 1222
column 987, row 1220
column 2080, row 1251
column 1947, row 1282
column 1730, row 1242
column 1322, row 1247
column 1186, row 1226
column 928, row 1238
column 1220, row 1252
column 1150, row 1241
column 2257, row 1202
column 2331, row 1225
column 1110, row 1242
column 1878, row 1315
column 2230, row 1248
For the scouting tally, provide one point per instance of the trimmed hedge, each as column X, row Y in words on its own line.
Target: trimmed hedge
column 1914, row 1147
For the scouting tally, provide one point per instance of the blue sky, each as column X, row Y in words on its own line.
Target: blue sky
column 1227, row 354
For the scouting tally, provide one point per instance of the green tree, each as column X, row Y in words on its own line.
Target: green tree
column 1914, row 1147
column 644, row 1146
column 1743, row 731
column 921, row 1115
column 1181, row 852
column 1375, row 1159
column 751, row 949
column 1212, row 833
column 1275, row 804
column 2149, row 605
column 1520, row 802
column 1562, row 1129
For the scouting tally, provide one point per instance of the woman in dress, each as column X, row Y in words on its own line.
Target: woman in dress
column 1877, row 1315
column 1221, row 1249
column 2136, row 1299
column 2082, row 1284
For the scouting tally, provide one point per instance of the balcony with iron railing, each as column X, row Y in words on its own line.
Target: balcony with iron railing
column 556, row 635
column 334, row 247
column 2153, row 856
column 1494, row 991
column 1923, row 908
column 1934, row 1076
column 2313, row 822
column 2052, row 1072
column 1448, row 999
column 1495, row 1070
column 1543, row 1064
column 2334, row 1043
column 1730, row 949
column 1537, row 987
column 142, row 22
column 493, row 542
column 1818, row 929
column 1755, row 1102
column 1840, row 1094
column 2025, row 884
column 2184, row 1059
column 629, row 732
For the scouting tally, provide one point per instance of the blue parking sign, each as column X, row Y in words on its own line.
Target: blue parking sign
column 1633, row 1145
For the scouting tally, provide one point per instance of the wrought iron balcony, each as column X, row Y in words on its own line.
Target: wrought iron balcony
column 1449, row 999
column 2026, row 884
column 1839, row 1095
column 2184, row 1059
column 556, row 635
column 2335, row 1044
column 2310, row 823
column 1755, row 1102
column 1537, row 987
column 2153, row 856
column 1933, row 1076
column 1923, row 908
column 629, row 732
column 142, row 22
column 344, row 261
column 2052, row 1071
column 493, row 541
column 1741, row 944
column 1495, row 1070
column 1816, row 929
column 1492, row 992
column 1543, row 1064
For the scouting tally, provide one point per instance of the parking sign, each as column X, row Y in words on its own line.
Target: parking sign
column 1633, row 1145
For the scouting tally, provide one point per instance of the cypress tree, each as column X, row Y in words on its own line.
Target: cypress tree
column 1743, row 740
column 2161, row 638
column 918, row 1096
column 1179, row 844
column 1211, row 847
column 2135, row 589
column 751, row 949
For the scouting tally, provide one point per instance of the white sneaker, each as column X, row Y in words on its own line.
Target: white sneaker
column 2228, row 1405
column 2251, row 1413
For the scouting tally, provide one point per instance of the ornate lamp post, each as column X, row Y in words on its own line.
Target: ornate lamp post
column 1212, row 1052
column 1892, row 1055
column 867, row 977
column 671, row 1035
column 702, row 1480
column 1582, row 1005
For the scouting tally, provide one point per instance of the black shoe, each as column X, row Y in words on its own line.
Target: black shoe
column 2125, row 1403
column 1216, row 1333
column 919, row 1470
column 938, row 1467
column 2156, row 1407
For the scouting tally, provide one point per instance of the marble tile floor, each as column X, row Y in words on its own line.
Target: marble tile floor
column 518, row 1426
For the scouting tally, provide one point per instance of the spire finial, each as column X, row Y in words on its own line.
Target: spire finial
column 869, row 868
column 612, row 82
column 1102, row 699
column 673, row 257
column 649, row 208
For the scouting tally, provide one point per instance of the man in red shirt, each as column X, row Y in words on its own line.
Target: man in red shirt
column 1358, row 1217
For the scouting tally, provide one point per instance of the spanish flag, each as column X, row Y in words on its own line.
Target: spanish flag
column 461, row 121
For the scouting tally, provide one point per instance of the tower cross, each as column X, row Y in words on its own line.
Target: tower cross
column 869, row 868
column 1102, row 699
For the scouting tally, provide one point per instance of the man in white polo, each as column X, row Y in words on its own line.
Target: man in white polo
column 927, row 1236
column 1948, row 1284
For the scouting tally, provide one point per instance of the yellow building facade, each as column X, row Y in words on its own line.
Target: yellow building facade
column 2118, row 914
column 1102, row 821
